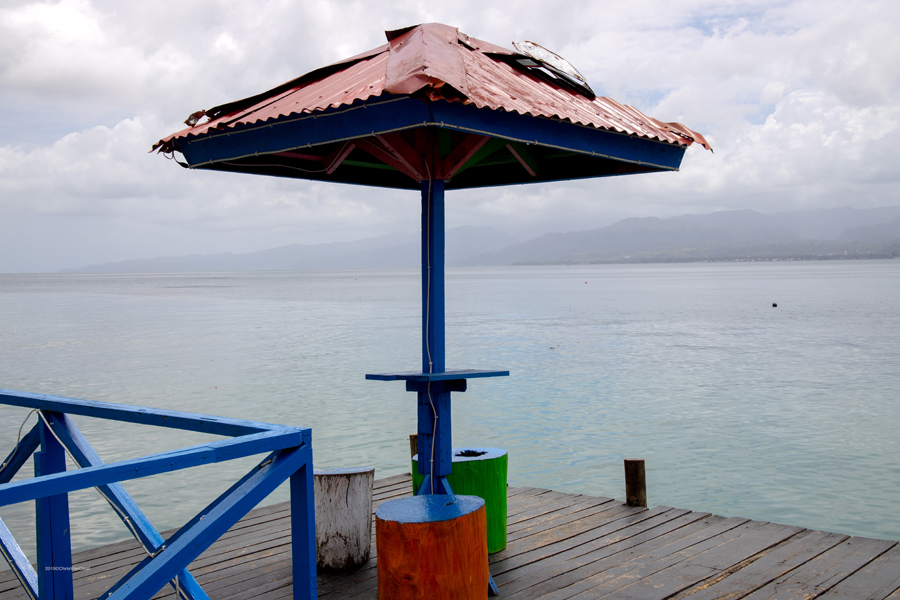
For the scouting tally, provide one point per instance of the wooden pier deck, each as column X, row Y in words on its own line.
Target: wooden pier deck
column 560, row 546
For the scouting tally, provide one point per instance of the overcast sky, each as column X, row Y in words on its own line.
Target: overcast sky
column 801, row 101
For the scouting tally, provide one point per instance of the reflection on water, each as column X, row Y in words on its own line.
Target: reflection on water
column 785, row 414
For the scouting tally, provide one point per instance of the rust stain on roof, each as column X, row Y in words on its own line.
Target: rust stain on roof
column 439, row 63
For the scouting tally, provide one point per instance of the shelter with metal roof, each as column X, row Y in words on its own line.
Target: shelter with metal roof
column 433, row 110
column 432, row 103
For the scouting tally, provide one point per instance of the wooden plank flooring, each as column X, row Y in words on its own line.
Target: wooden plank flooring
column 560, row 546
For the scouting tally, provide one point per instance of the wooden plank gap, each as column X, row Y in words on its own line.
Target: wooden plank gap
column 879, row 579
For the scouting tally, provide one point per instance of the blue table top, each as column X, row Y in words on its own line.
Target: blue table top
column 446, row 375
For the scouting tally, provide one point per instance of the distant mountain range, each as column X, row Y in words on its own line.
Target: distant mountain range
column 384, row 252
column 725, row 235
column 721, row 235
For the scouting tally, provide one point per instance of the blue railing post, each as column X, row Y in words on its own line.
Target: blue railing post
column 54, row 546
column 303, row 534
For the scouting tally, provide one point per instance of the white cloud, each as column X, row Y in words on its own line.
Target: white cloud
column 800, row 100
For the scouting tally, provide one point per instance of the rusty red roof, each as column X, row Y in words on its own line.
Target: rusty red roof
column 442, row 64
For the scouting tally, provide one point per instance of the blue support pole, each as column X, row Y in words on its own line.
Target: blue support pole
column 54, row 545
column 433, row 343
column 435, row 439
column 434, row 434
column 434, row 384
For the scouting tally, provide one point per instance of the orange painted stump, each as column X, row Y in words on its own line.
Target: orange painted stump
column 432, row 547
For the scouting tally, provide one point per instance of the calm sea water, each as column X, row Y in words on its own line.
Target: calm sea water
column 788, row 414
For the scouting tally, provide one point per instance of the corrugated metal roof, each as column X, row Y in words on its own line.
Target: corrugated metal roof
column 440, row 63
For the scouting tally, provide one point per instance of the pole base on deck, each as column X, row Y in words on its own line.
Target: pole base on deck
column 441, row 486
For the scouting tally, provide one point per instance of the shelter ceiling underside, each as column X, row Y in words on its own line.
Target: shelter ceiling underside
column 463, row 160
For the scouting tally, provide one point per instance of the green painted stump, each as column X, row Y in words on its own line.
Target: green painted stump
column 479, row 472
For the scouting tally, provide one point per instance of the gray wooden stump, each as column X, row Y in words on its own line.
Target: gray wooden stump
column 343, row 517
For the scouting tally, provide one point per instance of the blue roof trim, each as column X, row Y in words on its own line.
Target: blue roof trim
column 403, row 113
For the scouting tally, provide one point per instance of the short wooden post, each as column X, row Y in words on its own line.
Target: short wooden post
column 343, row 499
column 432, row 546
column 413, row 444
column 635, row 482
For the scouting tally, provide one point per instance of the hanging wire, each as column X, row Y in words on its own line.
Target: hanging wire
column 276, row 166
column 171, row 156
column 18, row 439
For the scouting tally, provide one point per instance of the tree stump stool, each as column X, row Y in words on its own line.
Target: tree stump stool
column 343, row 500
column 432, row 546
column 479, row 472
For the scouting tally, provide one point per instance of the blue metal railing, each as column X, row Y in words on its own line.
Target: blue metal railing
column 290, row 457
